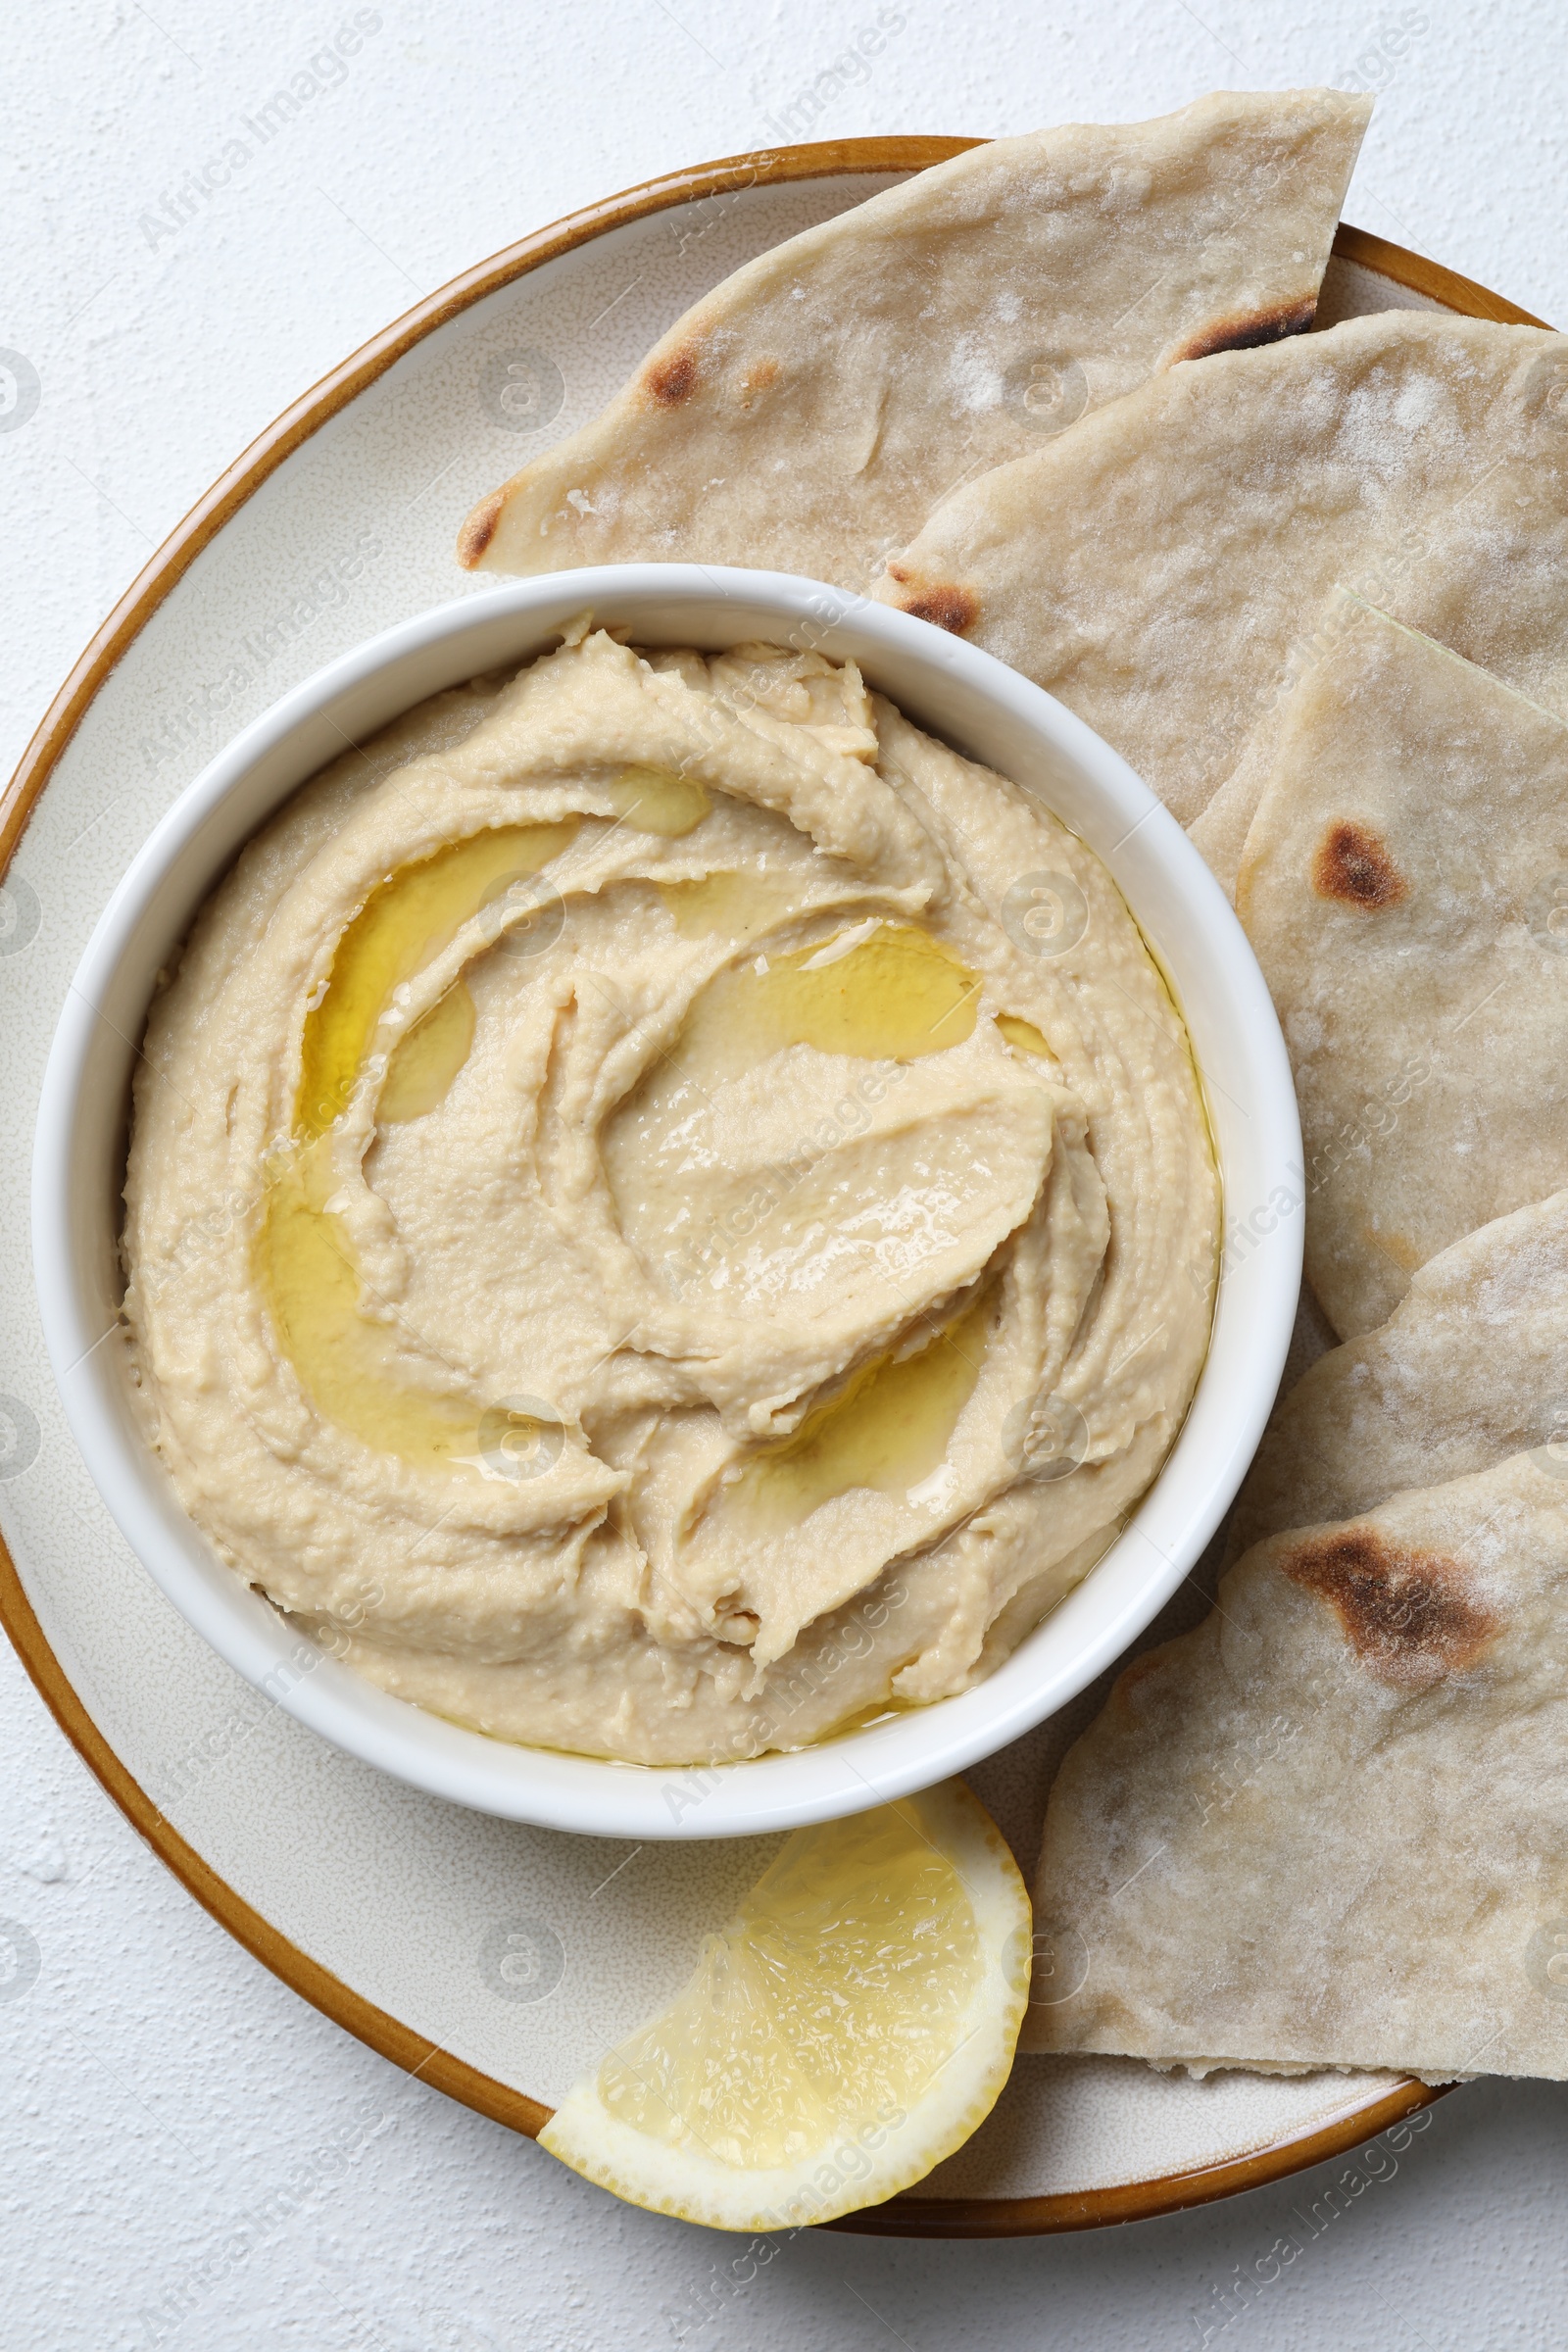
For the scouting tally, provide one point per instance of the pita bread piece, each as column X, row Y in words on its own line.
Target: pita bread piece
column 1162, row 569
column 1405, row 887
column 1486, row 579
column 1471, row 1367
column 1329, row 1828
column 808, row 412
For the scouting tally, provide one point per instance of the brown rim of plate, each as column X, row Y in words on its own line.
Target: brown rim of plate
column 905, row 2216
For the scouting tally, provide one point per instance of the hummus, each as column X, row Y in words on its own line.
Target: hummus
column 668, row 1213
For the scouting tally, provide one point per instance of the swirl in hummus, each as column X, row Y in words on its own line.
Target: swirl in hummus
column 667, row 1211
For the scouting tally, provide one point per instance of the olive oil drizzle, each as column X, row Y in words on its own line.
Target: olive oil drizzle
column 889, row 1430
column 883, row 990
column 344, row 1356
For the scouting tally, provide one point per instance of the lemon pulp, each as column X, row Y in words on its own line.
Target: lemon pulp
column 851, row 2026
column 751, row 2060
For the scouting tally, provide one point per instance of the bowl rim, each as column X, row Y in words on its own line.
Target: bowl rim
column 919, row 1745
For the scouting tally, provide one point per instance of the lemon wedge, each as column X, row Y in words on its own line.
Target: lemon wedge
column 850, row 2028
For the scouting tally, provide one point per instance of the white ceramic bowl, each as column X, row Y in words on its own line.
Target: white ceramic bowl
column 983, row 709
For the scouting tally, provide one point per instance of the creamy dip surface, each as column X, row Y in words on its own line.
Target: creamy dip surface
column 668, row 1213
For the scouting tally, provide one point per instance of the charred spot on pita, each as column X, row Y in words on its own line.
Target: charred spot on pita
column 674, row 378
column 757, row 379
column 1406, row 1614
column 1351, row 865
column 953, row 609
column 479, row 529
column 1248, row 332
column 1128, row 1682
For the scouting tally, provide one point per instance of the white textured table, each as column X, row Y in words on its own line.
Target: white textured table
column 191, row 2153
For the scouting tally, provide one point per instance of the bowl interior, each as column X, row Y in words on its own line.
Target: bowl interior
column 983, row 709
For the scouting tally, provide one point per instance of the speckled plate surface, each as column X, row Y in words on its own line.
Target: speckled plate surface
column 496, row 1960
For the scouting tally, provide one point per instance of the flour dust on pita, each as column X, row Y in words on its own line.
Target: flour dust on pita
column 1471, row 1367
column 808, row 414
column 1163, row 570
column 1405, row 884
column 1330, row 1827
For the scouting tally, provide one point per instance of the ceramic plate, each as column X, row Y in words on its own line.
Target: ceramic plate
column 496, row 1959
